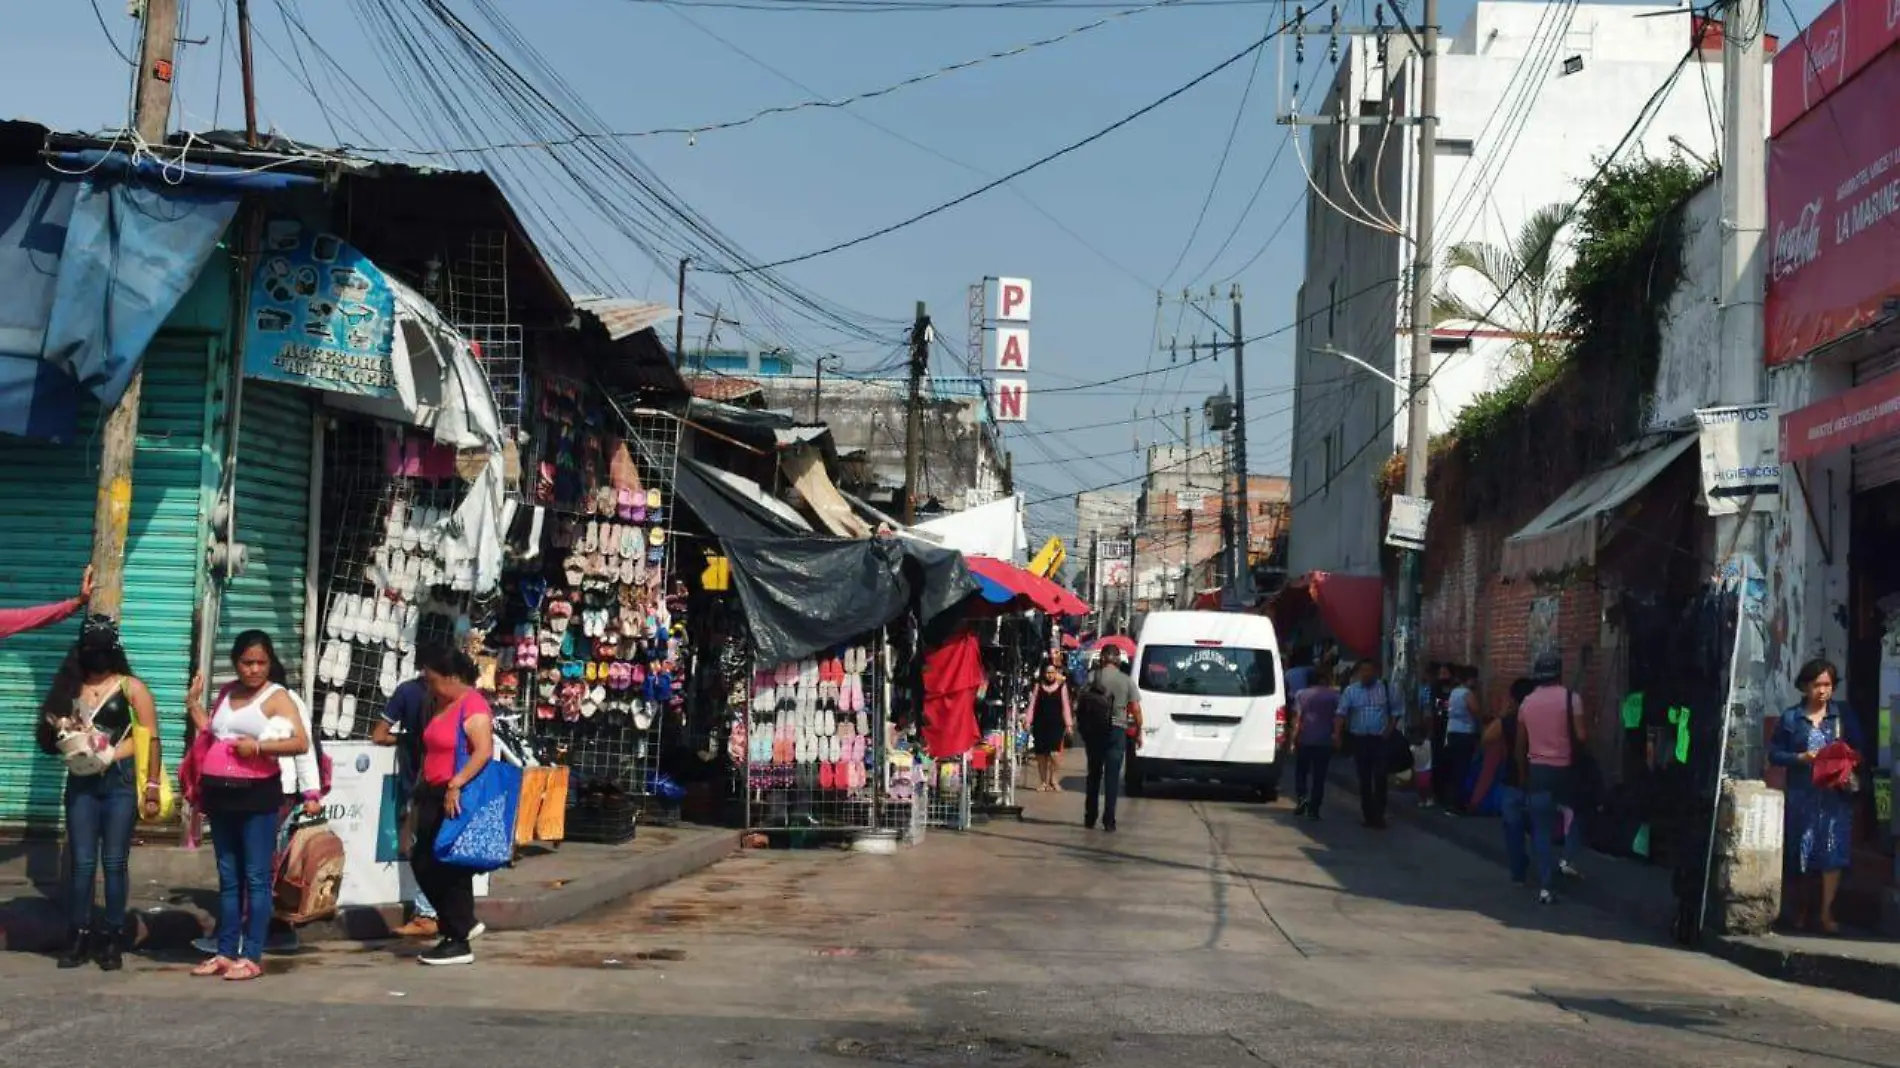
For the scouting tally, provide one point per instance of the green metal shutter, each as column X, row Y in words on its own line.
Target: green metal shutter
column 46, row 504
column 273, row 519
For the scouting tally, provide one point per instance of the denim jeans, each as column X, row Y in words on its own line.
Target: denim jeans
column 1368, row 757
column 1310, row 764
column 101, row 811
column 245, row 843
column 1541, row 794
column 1106, row 752
column 424, row 910
column 1516, row 820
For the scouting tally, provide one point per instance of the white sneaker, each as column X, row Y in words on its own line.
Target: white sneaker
column 346, row 723
column 332, row 712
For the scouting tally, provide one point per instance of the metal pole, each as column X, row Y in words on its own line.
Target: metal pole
column 1418, row 430
column 1243, row 563
column 249, row 72
column 112, row 512
column 679, row 327
column 914, row 410
column 817, row 386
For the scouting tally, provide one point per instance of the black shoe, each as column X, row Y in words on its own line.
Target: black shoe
column 1299, row 808
column 111, row 954
column 1109, row 827
column 1089, row 823
column 1313, row 814
column 78, row 949
column 447, row 952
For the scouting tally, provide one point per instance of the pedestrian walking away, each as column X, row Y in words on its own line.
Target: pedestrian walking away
column 1463, row 712
column 1819, row 741
column 1108, row 706
column 88, row 720
column 1550, row 732
column 1318, row 730
column 462, row 713
column 241, row 786
column 1050, row 722
column 1501, row 734
column 1372, row 719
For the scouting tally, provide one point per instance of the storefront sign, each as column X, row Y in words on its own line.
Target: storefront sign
column 1865, row 413
column 1740, row 458
column 1405, row 527
column 1834, row 214
column 1840, row 42
column 1190, row 500
column 321, row 315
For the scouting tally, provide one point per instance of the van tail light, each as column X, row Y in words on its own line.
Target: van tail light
column 1279, row 718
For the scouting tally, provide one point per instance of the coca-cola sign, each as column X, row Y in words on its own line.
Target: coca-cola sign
column 1840, row 42
column 1834, row 214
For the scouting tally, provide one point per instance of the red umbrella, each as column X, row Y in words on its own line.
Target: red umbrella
column 1033, row 588
column 1119, row 641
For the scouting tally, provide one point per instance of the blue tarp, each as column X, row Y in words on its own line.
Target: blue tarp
column 89, row 270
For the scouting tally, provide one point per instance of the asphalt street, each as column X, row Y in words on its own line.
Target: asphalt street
column 1209, row 931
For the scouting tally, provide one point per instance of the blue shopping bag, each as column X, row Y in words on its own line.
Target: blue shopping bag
column 482, row 837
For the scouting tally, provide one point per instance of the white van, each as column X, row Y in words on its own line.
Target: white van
column 1212, row 706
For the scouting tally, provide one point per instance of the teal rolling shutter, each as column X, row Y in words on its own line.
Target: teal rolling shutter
column 273, row 519
column 46, row 505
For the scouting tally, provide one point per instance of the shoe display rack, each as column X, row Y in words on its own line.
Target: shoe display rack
column 950, row 792
column 389, row 500
column 808, row 741
column 601, row 652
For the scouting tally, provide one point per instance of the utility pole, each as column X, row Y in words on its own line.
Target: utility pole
column 1418, row 428
column 914, row 410
column 1739, row 538
column 679, row 327
column 1243, row 570
column 118, row 442
column 247, row 71
column 1187, row 551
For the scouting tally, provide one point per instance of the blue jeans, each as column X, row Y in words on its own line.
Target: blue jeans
column 101, row 811
column 1106, row 752
column 1310, row 764
column 1542, row 791
column 424, row 910
column 245, row 843
column 1516, row 819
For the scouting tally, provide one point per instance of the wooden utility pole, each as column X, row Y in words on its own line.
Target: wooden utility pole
column 1243, row 566
column 112, row 513
column 249, row 72
column 914, row 410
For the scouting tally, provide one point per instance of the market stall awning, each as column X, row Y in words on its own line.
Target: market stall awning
column 1569, row 531
column 1039, row 592
column 994, row 530
column 732, row 506
column 1351, row 608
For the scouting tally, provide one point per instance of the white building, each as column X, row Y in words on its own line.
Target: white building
column 1530, row 98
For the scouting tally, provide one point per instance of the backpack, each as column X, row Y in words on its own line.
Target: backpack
column 1094, row 708
column 308, row 872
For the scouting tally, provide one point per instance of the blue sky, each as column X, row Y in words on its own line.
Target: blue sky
column 789, row 184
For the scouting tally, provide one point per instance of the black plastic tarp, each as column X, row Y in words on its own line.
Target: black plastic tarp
column 723, row 509
column 803, row 595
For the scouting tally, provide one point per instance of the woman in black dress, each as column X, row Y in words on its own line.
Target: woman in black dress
column 1049, row 723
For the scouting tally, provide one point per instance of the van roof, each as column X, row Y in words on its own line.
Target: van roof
column 1239, row 628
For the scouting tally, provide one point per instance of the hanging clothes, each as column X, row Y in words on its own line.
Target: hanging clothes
column 953, row 673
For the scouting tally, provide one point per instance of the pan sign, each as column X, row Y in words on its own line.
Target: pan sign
column 1012, row 349
column 1009, row 400
column 1012, row 300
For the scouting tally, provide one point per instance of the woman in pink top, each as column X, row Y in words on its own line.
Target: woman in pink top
column 462, row 713
column 1550, row 722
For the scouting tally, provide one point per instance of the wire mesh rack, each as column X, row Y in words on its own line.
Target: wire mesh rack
column 813, row 733
column 950, row 793
column 386, row 503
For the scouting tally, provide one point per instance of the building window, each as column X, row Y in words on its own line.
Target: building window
column 774, row 364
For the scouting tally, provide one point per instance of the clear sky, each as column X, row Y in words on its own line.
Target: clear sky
column 1099, row 231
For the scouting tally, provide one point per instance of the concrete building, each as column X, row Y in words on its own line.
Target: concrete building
column 1531, row 98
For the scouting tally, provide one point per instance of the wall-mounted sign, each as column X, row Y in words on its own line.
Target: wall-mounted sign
column 1012, row 349
column 1405, row 527
column 1741, row 457
column 1009, row 400
column 1190, row 500
column 1012, row 300
column 320, row 314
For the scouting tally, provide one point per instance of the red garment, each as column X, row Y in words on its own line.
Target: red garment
column 15, row 620
column 439, row 752
column 953, row 672
column 1834, row 765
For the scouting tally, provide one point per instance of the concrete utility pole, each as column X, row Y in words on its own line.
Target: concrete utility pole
column 679, row 325
column 914, row 410
column 1418, row 429
column 1187, row 551
column 1748, row 883
column 248, row 72
column 118, row 442
column 1243, row 569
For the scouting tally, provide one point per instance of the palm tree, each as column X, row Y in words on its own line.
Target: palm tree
column 1527, row 300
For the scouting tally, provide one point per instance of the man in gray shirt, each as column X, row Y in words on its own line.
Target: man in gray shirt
column 1109, row 707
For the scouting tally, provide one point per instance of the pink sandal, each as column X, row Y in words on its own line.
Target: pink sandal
column 242, row 971
column 214, row 966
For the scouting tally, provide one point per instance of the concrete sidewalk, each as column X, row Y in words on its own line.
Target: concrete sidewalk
column 1860, row 963
column 175, row 890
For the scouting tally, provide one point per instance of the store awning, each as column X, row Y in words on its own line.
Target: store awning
column 994, row 529
column 1569, row 531
column 1865, row 413
column 1351, row 607
column 993, row 574
column 732, row 506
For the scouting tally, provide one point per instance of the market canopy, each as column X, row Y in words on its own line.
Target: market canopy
column 1569, row 531
column 731, row 506
column 994, row 530
column 998, row 575
column 1351, row 607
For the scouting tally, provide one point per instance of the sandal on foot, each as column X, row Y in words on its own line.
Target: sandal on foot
column 243, row 970
column 214, row 966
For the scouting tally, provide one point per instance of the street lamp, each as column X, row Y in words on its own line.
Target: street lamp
column 1328, row 350
column 818, row 382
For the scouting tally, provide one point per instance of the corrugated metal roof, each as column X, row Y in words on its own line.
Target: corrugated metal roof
column 623, row 316
column 722, row 388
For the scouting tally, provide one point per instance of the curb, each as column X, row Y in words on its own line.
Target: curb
column 1852, row 975
column 38, row 925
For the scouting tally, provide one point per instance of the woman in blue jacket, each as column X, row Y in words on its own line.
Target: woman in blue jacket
column 1818, row 830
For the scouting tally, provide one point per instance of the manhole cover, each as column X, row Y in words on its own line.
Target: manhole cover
column 945, row 1051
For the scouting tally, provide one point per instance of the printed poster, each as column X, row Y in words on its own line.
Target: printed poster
column 321, row 315
column 363, row 813
column 1741, row 458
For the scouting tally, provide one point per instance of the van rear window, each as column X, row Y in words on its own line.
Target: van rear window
column 1203, row 672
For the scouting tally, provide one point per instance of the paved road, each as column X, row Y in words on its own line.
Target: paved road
column 1209, row 932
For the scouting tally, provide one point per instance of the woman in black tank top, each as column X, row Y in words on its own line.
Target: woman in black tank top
column 95, row 690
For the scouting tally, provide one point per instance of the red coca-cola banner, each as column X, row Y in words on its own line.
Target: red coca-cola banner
column 1865, row 413
column 1834, row 215
column 1838, row 44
